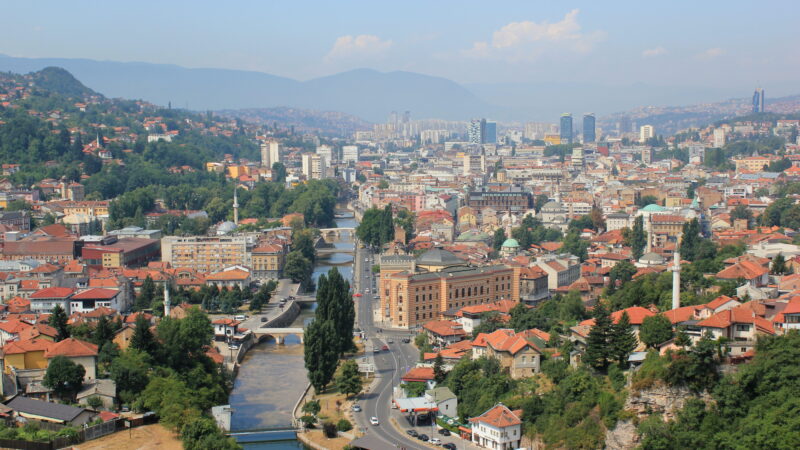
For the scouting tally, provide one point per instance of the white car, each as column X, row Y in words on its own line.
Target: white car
column 374, row 421
column 435, row 441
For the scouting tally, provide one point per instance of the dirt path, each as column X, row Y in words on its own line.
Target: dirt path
column 148, row 437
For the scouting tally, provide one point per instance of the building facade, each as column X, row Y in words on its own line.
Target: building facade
column 203, row 253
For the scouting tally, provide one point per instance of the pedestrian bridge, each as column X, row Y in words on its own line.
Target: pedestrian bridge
column 336, row 232
column 279, row 334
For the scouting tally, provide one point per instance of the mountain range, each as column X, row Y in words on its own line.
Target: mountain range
column 368, row 94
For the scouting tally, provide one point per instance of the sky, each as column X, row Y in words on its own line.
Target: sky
column 669, row 43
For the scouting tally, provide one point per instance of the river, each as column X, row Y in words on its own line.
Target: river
column 272, row 377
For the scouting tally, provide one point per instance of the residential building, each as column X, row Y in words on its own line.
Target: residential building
column 267, row 261
column 560, row 271
column 204, row 253
column 19, row 219
column 646, row 132
column 515, row 353
column 314, row 166
column 442, row 333
column 41, row 410
column 350, row 153
column 230, row 277
column 25, row 355
column 498, row 428
column 91, row 299
column 112, row 251
column 77, row 351
column 44, row 300
column 270, row 153
column 500, row 197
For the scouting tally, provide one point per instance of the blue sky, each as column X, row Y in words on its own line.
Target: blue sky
column 669, row 43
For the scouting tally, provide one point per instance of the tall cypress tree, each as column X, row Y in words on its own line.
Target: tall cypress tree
column 623, row 340
column 319, row 355
column 638, row 238
column 598, row 351
column 58, row 320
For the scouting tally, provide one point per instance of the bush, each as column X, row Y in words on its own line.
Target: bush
column 344, row 425
column 329, row 429
column 308, row 420
column 653, row 369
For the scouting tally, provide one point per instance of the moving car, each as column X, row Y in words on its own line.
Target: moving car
column 412, row 433
column 406, row 340
column 240, row 317
column 390, row 341
column 423, row 437
column 385, row 348
column 444, row 432
column 449, row 446
column 374, row 420
column 356, row 408
column 435, row 441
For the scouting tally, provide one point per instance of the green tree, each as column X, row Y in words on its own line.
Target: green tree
column 439, row 373
column 742, row 212
column 320, row 357
column 171, row 399
column 312, row 407
column 623, row 340
column 103, row 332
column 623, row 272
column 499, row 238
column 278, row 172
column 64, row 377
column 599, row 351
column 575, row 245
column 130, row 372
column 58, row 320
column 655, row 330
column 298, row 268
column 638, row 238
column 146, row 295
column 143, row 338
column 779, row 265
column 349, row 381
column 690, row 240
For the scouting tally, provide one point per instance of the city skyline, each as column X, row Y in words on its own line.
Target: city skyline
column 520, row 43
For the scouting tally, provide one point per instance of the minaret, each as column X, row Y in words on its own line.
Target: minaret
column 166, row 300
column 235, row 207
column 676, row 280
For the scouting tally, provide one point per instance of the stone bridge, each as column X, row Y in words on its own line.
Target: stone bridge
column 336, row 232
column 279, row 334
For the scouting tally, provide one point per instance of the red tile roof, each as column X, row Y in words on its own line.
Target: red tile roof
column 636, row 315
column 419, row 374
column 445, row 328
column 19, row 347
column 71, row 348
column 499, row 417
column 96, row 293
column 53, row 292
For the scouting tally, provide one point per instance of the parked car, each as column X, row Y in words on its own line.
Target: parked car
column 240, row 317
column 356, row 408
column 390, row 341
column 435, row 441
column 385, row 348
column 444, row 432
column 406, row 340
column 449, row 446
column 374, row 420
column 263, row 319
column 412, row 433
column 423, row 437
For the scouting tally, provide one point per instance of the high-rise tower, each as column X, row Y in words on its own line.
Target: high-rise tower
column 758, row 100
column 589, row 133
column 566, row 128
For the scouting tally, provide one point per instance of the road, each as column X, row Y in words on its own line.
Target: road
column 389, row 366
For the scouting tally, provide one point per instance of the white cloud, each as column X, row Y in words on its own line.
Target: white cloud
column 653, row 52
column 361, row 46
column 711, row 53
column 527, row 40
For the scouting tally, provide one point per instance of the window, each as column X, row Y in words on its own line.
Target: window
column 742, row 327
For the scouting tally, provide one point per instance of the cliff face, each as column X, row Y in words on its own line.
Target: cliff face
column 658, row 399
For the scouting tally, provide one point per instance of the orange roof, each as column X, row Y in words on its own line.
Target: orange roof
column 132, row 317
column 419, row 374
column 71, row 348
column 14, row 326
column 743, row 269
column 636, row 315
column 681, row 314
column 445, row 328
column 499, row 417
column 33, row 345
column 228, row 275
column 227, row 322
column 719, row 301
column 96, row 293
column 53, row 292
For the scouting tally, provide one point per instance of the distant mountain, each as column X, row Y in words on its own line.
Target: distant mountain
column 369, row 94
column 60, row 81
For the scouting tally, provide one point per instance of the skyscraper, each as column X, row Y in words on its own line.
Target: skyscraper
column 758, row 100
column 566, row 128
column 477, row 131
column 589, row 128
column 490, row 136
column 646, row 132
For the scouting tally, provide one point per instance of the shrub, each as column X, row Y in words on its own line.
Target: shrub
column 344, row 425
column 653, row 369
column 329, row 429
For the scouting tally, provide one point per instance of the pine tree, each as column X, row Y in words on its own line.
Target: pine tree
column 598, row 351
column 58, row 320
column 349, row 381
column 623, row 340
column 146, row 293
column 779, row 265
column 638, row 238
column 439, row 373
column 142, row 338
column 499, row 238
column 103, row 331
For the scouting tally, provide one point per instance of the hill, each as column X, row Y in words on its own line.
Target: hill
column 60, row 81
column 368, row 94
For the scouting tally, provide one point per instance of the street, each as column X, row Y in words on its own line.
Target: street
column 389, row 367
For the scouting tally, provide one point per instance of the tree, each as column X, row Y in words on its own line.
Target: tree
column 64, row 377
column 312, row 407
column 334, row 303
column 298, row 268
column 58, row 320
column 94, row 402
column 499, row 238
column 130, row 372
column 103, row 332
column 349, row 381
column 278, row 172
column 142, row 338
column 623, row 272
column 655, row 330
column 319, row 355
column 646, row 200
column 598, row 221
column 575, row 245
column 779, row 265
column 171, row 399
column 623, row 340
column 146, row 295
column 638, row 238
column 691, row 240
column 742, row 212
column 439, row 373
column 598, row 349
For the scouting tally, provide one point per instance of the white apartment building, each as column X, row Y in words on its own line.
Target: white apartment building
column 646, row 132
column 314, row 167
column 350, row 153
column 270, row 153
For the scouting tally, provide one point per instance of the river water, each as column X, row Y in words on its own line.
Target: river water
column 272, row 377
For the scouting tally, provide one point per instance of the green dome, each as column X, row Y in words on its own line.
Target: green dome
column 652, row 207
column 510, row 242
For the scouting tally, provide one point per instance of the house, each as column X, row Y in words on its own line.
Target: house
column 11, row 329
column 230, row 277
column 740, row 326
column 753, row 273
column 105, row 390
column 444, row 399
column 90, row 299
column 44, row 300
column 25, row 355
column 225, row 328
column 420, row 375
column 29, row 408
column 498, row 428
column 123, row 336
column 442, row 333
column 77, row 351
column 636, row 315
column 513, row 351
column 789, row 318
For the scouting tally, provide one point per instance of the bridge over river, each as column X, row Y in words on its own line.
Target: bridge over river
column 279, row 334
